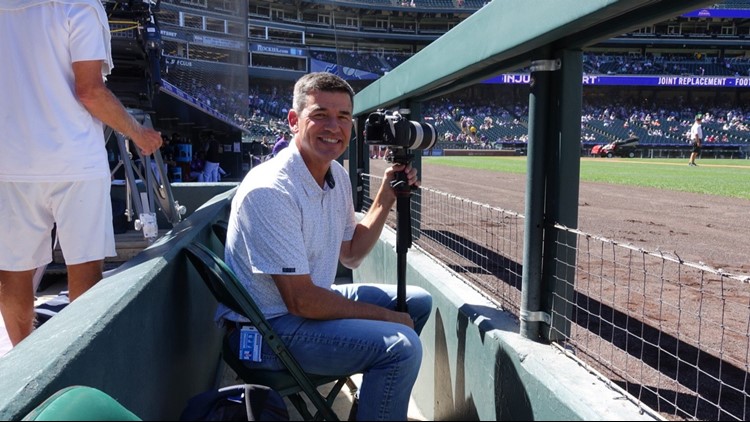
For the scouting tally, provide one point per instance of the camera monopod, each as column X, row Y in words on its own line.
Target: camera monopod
column 403, row 222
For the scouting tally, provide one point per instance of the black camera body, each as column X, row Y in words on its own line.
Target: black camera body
column 391, row 129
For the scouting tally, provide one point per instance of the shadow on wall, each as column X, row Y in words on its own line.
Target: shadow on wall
column 446, row 405
column 511, row 400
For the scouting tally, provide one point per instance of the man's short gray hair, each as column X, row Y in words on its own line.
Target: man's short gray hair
column 318, row 81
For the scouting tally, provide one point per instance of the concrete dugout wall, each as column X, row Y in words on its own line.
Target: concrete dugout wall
column 476, row 365
column 145, row 335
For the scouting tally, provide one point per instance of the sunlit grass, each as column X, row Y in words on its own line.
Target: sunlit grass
column 722, row 177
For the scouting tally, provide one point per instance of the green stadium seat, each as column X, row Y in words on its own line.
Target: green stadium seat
column 80, row 403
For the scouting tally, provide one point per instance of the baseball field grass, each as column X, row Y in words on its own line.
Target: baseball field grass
column 722, row 177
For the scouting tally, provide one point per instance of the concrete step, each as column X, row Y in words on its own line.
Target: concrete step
column 128, row 245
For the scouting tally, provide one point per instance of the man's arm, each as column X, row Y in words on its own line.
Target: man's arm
column 304, row 299
column 369, row 228
column 102, row 104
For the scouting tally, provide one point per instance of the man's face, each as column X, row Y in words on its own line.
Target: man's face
column 324, row 127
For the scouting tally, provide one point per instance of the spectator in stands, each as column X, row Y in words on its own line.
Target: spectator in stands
column 483, row 141
column 289, row 267
column 465, row 122
column 472, row 135
column 281, row 143
column 696, row 139
column 53, row 166
column 267, row 147
column 257, row 153
column 487, row 124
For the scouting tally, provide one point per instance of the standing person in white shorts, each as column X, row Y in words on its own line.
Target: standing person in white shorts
column 53, row 161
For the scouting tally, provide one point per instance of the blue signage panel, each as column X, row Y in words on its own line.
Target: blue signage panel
column 639, row 80
column 277, row 50
column 718, row 13
column 345, row 72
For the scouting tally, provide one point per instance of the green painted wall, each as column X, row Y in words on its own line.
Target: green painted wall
column 146, row 337
column 476, row 365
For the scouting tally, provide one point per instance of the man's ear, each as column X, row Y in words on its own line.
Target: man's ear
column 293, row 119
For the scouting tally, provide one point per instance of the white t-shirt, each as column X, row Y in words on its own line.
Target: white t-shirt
column 696, row 129
column 283, row 222
column 47, row 134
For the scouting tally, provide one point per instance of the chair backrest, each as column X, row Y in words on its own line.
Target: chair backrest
column 220, row 230
column 227, row 289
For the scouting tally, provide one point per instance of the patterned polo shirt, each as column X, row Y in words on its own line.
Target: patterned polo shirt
column 283, row 222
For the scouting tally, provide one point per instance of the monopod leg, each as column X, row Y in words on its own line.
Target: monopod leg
column 403, row 243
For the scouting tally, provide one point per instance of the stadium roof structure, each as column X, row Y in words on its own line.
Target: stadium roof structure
column 174, row 104
column 506, row 35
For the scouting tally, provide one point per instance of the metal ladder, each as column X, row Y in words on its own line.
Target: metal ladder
column 157, row 192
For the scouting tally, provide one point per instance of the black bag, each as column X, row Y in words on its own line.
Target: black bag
column 50, row 308
column 243, row 402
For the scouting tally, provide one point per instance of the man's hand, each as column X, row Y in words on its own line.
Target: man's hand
column 411, row 173
column 390, row 176
column 147, row 139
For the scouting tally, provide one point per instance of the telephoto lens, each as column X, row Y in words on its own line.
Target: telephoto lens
column 390, row 128
column 421, row 135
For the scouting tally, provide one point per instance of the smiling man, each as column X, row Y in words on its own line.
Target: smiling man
column 292, row 221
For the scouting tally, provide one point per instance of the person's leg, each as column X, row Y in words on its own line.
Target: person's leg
column 85, row 232
column 418, row 301
column 82, row 277
column 388, row 355
column 17, row 303
column 419, row 307
column 24, row 246
column 211, row 172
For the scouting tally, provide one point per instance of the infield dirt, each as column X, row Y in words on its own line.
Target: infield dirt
column 706, row 229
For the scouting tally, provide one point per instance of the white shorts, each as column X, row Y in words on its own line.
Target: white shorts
column 81, row 209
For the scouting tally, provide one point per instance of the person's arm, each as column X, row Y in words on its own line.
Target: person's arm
column 304, row 299
column 369, row 228
column 104, row 105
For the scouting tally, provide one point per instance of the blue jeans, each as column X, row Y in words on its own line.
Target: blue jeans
column 387, row 354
